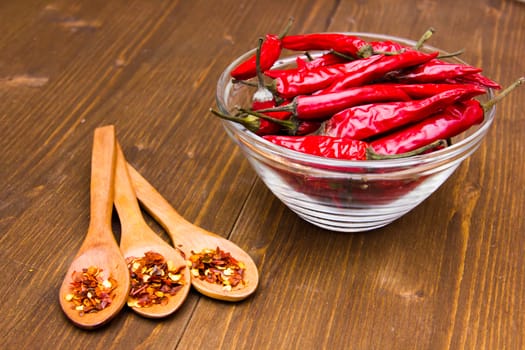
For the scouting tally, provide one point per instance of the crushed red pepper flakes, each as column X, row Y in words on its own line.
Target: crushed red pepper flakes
column 153, row 280
column 90, row 291
column 217, row 266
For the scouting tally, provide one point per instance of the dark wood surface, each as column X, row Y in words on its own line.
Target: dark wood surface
column 449, row 274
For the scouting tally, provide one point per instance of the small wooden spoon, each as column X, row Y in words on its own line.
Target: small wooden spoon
column 99, row 248
column 189, row 237
column 137, row 238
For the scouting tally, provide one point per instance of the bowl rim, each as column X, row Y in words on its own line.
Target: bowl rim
column 466, row 145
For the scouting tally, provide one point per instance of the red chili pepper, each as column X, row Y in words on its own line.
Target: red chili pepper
column 323, row 146
column 337, row 147
column 443, row 125
column 324, row 60
column 418, row 91
column 327, row 59
column 285, row 122
column 434, row 70
column 323, row 106
column 379, row 69
column 265, row 124
column 362, row 122
column 304, row 82
column 387, row 46
column 476, row 78
column 452, row 121
column 305, row 127
column 270, row 51
column 262, row 98
column 342, row 43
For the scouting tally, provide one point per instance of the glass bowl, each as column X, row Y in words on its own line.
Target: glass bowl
column 343, row 195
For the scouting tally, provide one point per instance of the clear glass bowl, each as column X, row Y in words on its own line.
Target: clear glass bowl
column 342, row 195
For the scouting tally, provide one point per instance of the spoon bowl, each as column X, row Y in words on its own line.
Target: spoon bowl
column 137, row 238
column 191, row 238
column 99, row 248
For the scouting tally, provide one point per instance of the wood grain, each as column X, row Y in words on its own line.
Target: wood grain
column 448, row 275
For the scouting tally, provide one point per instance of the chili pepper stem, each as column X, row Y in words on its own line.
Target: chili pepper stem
column 244, row 82
column 342, row 55
column 287, row 28
column 372, row 155
column 262, row 93
column 287, row 124
column 452, row 54
column 389, row 53
column 250, row 123
column 426, row 35
column 365, row 51
column 290, row 107
column 489, row 104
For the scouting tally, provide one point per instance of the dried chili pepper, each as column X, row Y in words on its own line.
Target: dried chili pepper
column 90, row 290
column 446, row 124
column 270, row 51
column 378, row 70
column 342, row 43
column 362, row 122
column 218, row 267
column 153, row 280
column 339, row 147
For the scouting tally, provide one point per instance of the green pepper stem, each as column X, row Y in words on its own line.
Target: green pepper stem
column 490, row 103
column 372, row 155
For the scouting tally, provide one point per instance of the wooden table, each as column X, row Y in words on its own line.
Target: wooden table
column 449, row 274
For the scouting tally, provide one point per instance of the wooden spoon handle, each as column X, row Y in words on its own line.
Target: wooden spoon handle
column 125, row 199
column 157, row 206
column 102, row 178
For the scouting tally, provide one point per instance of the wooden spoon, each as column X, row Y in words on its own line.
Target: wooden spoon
column 189, row 237
column 99, row 248
column 137, row 238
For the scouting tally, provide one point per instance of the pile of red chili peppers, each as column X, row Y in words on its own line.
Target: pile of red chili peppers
column 345, row 96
